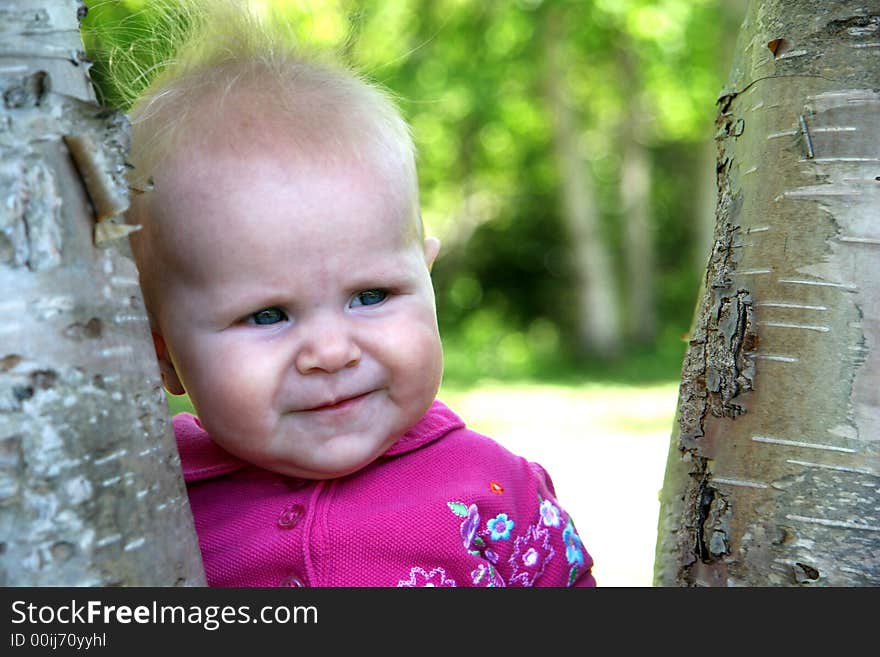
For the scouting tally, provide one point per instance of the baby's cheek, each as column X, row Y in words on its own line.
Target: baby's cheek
column 226, row 379
column 422, row 363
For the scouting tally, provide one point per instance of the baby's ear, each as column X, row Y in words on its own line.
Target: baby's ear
column 432, row 248
column 166, row 368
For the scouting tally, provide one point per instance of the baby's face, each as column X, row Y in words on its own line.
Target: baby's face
column 295, row 305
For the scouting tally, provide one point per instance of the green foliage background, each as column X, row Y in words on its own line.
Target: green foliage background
column 470, row 76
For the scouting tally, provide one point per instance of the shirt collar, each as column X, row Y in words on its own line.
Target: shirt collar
column 201, row 458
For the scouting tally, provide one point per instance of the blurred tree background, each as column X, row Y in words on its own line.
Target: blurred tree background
column 566, row 162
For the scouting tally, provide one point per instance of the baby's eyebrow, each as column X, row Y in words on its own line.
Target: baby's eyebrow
column 384, row 279
column 243, row 304
column 383, row 272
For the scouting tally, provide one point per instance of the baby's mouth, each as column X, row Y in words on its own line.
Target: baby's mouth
column 339, row 404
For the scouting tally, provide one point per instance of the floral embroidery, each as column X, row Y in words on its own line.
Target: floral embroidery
column 573, row 547
column 500, row 527
column 486, row 575
column 472, row 543
column 419, row 578
column 549, row 514
column 574, row 552
column 470, row 525
column 496, row 488
column 531, row 554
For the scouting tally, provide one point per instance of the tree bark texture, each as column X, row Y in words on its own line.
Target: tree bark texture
column 773, row 476
column 91, row 492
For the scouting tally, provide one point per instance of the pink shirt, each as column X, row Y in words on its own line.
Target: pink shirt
column 444, row 506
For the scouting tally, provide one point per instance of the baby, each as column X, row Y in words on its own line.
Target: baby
column 287, row 278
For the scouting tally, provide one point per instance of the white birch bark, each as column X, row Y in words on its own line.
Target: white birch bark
column 91, row 492
column 774, row 473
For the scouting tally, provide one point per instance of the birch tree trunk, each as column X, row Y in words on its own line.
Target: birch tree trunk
column 598, row 307
column 773, row 477
column 91, row 492
column 635, row 203
column 635, row 193
column 705, row 196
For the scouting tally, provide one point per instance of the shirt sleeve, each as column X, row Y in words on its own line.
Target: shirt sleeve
column 548, row 550
column 521, row 536
column 578, row 562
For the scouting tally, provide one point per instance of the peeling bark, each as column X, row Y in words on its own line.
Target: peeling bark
column 91, row 492
column 773, row 475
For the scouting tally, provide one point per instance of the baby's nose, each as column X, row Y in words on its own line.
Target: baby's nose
column 328, row 346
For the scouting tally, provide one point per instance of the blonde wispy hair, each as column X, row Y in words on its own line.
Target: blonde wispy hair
column 196, row 59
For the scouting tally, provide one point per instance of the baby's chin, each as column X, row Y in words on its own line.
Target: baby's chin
column 318, row 472
column 328, row 465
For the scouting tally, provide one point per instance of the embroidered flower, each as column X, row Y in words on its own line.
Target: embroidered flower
column 486, row 575
column 500, row 527
column 471, row 521
column 470, row 525
column 490, row 555
column 531, row 553
column 419, row 578
column 549, row 514
column 573, row 547
column 478, row 573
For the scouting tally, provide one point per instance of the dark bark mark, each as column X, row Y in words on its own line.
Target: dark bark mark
column 719, row 365
column 705, row 497
column 90, row 330
column 716, row 527
column 854, row 26
column 25, row 20
column 729, row 366
column 778, row 46
column 44, row 379
column 11, row 468
column 29, row 92
column 9, row 361
column 805, row 573
column 24, row 388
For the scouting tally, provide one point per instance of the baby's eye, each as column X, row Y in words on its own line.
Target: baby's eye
column 268, row 316
column 368, row 298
